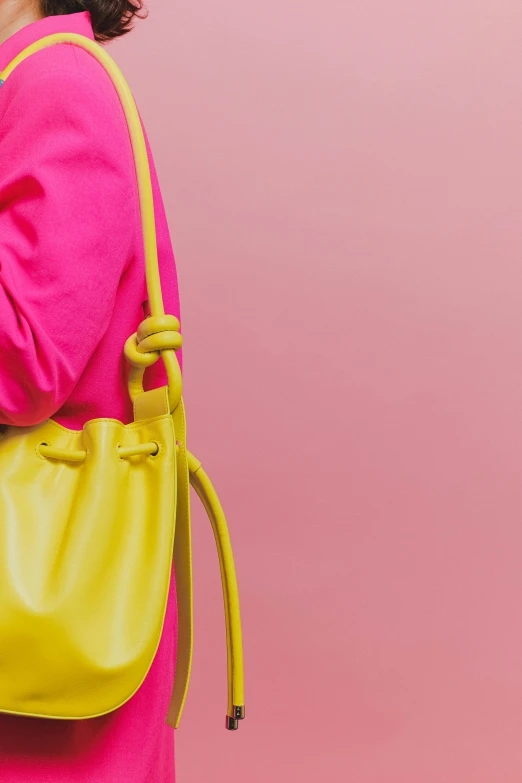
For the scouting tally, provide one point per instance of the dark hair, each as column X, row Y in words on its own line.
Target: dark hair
column 109, row 18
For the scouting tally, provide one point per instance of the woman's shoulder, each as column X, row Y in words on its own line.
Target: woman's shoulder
column 55, row 75
column 59, row 86
column 47, row 66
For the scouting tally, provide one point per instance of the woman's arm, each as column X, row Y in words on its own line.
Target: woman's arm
column 68, row 212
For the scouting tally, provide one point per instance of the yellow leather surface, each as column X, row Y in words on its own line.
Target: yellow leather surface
column 91, row 520
column 85, row 559
column 150, row 404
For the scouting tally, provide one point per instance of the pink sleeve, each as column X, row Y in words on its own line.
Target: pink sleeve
column 68, row 205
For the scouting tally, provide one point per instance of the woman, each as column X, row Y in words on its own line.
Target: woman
column 72, row 290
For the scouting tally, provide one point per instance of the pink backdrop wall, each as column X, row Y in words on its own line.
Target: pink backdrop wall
column 344, row 189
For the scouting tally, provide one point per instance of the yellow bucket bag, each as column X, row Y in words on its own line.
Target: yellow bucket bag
column 91, row 521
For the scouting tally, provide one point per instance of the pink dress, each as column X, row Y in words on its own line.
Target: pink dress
column 72, row 290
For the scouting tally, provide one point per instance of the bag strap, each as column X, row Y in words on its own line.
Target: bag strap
column 158, row 335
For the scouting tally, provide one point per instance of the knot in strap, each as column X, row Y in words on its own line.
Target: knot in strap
column 155, row 334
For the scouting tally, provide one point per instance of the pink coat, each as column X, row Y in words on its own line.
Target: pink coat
column 72, row 289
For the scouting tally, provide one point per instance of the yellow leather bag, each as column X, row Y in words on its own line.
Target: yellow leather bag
column 91, row 521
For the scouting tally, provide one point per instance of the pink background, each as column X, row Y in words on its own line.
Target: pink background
column 344, row 188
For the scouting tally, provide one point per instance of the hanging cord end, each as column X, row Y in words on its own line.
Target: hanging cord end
column 232, row 722
column 203, row 486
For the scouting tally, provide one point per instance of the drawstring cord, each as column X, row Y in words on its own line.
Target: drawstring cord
column 207, row 494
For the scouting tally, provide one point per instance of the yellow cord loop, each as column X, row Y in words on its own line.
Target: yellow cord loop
column 158, row 324
column 155, row 334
